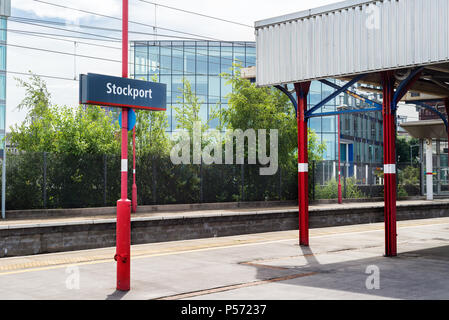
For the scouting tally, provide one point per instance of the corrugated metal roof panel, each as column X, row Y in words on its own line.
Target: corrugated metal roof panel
column 352, row 37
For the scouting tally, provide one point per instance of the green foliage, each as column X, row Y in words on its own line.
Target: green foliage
column 330, row 190
column 62, row 129
column 256, row 108
column 409, row 176
column 403, row 148
column 151, row 133
column 401, row 191
column 37, row 97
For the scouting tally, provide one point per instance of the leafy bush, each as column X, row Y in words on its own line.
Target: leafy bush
column 330, row 190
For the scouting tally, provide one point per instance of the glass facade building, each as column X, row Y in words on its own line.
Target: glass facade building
column 361, row 134
column 199, row 62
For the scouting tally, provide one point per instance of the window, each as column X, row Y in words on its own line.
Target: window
column 250, row 56
column 201, row 88
column 214, row 89
column 3, row 31
column 315, row 124
column 2, row 118
column 167, row 80
column 153, row 60
column 214, row 59
column 201, row 62
column 190, row 59
column 330, row 153
column 329, row 124
column 141, row 53
column 2, row 87
column 178, row 60
column 226, row 59
column 166, row 60
column 239, row 54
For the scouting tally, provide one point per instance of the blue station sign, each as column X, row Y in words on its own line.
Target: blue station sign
column 97, row 89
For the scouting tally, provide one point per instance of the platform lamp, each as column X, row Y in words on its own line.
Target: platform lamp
column 340, row 108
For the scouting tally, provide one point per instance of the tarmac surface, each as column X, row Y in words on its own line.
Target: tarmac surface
column 341, row 263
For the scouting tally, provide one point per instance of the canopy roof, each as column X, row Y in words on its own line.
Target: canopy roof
column 355, row 37
column 427, row 129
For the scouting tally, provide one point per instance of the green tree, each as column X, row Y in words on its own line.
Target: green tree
column 403, row 145
column 151, row 131
column 62, row 129
column 251, row 107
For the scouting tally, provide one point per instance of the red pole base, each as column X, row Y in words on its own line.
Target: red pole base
column 134, row 198
column 123, row 251
column 340, row 196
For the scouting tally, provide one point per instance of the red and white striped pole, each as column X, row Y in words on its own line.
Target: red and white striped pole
column 389, row 136
column 134, row 188
column 302, row 90
column 123, row 244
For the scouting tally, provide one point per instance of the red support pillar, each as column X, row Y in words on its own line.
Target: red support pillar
column 389, row 137
column 302, row 90
column 123, row 240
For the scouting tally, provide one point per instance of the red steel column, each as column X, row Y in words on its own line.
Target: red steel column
column 389, row 137
column 340, row 197
column 302, row 90
column 134, row 188
column 123, row 244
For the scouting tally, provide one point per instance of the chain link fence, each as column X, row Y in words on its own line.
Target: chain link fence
column 361, row 180
column 42, row 180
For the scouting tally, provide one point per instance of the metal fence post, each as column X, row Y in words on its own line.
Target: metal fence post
column 44, row 182
column 243, row 182
column 313, row 180
column 154, row 180
column 280, row 184
column 105, row 177
column 201, row 182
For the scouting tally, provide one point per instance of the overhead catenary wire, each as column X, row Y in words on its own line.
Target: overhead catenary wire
column 119, row 19
column 42, row 23
column 60, row 35
column 197, row 14
column 34, row 34
column 106, row 59
column 118, row 39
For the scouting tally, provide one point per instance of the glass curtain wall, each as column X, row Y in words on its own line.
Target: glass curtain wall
column 363, row 131
column 199, row 62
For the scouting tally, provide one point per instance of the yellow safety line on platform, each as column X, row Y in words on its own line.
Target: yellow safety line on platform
column 149, row 253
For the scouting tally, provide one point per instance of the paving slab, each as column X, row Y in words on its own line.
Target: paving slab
column 250, row 267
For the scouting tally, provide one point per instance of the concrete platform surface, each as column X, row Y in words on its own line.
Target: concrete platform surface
column 142, row 216
column 341, row 263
